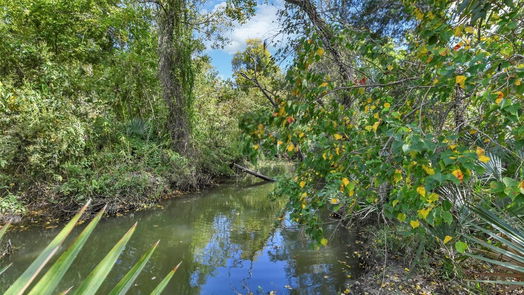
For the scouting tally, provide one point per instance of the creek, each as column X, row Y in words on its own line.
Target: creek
column 230, row 240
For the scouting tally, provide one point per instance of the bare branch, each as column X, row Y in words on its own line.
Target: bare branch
column 264, row 90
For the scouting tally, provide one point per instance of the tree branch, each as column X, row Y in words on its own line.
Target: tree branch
column 368, row 86
column 264, row 91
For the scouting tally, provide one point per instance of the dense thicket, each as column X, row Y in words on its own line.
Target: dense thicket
column 410, row 129
column 82, row 115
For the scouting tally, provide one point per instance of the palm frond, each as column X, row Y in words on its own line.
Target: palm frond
column 504, row 246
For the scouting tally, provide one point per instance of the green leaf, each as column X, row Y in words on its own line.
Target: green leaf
column 447, row 217
column 3, row 231
column 461, row 247
column 127, row 281
column 509, row 254
column 93, row 281
column 5, row 268
column 23, row 282
column 163, row 284
column 496, row 262
column 47, row 284
column 500, row 282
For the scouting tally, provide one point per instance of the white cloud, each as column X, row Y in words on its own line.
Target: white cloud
column 263, row 25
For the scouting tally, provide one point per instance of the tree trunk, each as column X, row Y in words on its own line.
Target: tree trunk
column 171, row 67
column 459, row 109
column 327, row 37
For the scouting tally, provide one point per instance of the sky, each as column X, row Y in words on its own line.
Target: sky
column 263, row 25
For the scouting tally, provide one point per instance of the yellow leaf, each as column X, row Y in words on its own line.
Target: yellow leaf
column 443, row 52
column 324, row 156
column 429, row 170
column 345, row 181
column 401, row 217
column 376, row 116
column 484, row 159
column 423, row 213
column 320, row 52
column 433, row 197
column 301, row 134
column 375, row 126
column 334, row 201
column 457, row 31
column 418, row 14
column 324, row 242
column 414, row 223
column 302, row 184
column 325, row 84
column 338, row 136
column 480, row 151
column 290, row 147
column 395, row 202
column 387, row 105
column 461, row 80
column 368, row 128
column 255, row 147
column 458, row 174
column 447, row 239
column 280, row 142
column 282, row 111
column 469, row 29
column 421, row 190
column 389, row 67
column 518, row 82
column 351, row 193
column 500, row 96
column 397, row 176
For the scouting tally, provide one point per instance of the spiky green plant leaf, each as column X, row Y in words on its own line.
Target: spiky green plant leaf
column 508, row 253
column 3, row 230
column 163, row 284
column 127, row 281
column 5, row 268
column 93, row 281
column 47, row 284
column 23, row 282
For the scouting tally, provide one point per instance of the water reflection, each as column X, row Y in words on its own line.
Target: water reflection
column 228, row 242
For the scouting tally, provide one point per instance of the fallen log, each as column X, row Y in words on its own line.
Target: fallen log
column 254, row 173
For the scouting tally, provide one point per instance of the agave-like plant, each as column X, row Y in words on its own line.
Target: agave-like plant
column 506, row 246
column 47, row 284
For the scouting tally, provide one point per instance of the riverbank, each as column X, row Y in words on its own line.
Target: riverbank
column 44, row 205
column 388, row 268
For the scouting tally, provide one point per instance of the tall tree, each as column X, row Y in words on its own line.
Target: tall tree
column 174, row 50
column 255, row 68
column 177, row 21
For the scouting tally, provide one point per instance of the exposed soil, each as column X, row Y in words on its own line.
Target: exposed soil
column 390, row 275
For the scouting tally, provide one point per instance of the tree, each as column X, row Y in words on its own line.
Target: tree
column 177, row 21
column 255, row 68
